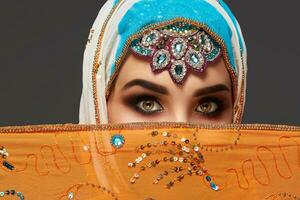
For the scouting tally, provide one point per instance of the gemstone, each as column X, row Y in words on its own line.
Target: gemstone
column 117, row 141
column 179, row 69
column 195, row 59
column 214, row 186
column 150, row 38
column 208, row 178
column 178, row 47
column 161, row 59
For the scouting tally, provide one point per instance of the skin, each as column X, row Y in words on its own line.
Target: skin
column 133, row 98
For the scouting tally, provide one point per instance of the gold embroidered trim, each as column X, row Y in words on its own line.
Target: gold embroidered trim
column 140, row 126
column 96, row 65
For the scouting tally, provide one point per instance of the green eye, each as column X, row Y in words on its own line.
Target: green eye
column 207, row 107
column 149, row 106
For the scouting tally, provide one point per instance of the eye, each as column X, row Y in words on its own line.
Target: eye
column 149, row 106
column 209, row 106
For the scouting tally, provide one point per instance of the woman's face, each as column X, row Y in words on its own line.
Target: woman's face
column 139, row 95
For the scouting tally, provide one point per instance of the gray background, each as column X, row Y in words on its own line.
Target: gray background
column 42, row 44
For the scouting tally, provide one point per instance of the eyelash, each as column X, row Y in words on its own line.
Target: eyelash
column 133, row 102
column 219, row 102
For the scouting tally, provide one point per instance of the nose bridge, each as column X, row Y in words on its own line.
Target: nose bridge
column 180, row 113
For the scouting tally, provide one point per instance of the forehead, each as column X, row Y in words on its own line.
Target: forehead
column 137, row 68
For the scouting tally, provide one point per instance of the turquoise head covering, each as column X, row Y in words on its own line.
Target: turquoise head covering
column 119, row 22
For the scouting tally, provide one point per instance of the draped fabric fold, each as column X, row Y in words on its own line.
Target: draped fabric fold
column 150, row 161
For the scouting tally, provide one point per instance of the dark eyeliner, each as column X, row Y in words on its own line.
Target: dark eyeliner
column 216, row 100
column 133, row 100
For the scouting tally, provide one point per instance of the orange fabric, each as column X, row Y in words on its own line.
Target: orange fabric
column 247, row 162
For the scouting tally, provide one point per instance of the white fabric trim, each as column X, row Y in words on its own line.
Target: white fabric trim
column 110, row 42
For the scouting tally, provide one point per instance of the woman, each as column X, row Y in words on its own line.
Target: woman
column 132, row 72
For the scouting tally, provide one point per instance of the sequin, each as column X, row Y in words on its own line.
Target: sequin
column 3, row 153
column 130, row 164
column 70, row 195
column 8, row 165
column 117, row 141
column 2, row 194
column 136, row 175
column 208, row 178
column 132, row 180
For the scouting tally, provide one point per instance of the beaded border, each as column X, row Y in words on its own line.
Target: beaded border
column 140, row 126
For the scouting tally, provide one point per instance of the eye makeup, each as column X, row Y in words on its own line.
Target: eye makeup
column 220, row 102
column 133, row 101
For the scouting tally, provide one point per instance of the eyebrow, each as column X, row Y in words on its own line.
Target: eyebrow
column 148, row 85
column 211, row 89
column 163, row 90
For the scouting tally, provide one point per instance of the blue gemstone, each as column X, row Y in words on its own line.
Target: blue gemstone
column 214, row 186
column 179, row 69
column 194, row 58
column 151, row 37
column 178, row 47
column 161, row 58
column 117, row 141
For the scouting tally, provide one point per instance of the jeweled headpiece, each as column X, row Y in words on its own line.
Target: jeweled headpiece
column 178, row 48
